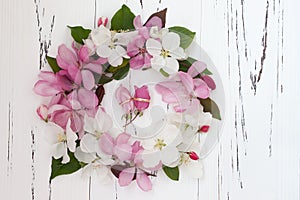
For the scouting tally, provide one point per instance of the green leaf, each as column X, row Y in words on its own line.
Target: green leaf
column 164, row 73
column 206, row 72
column 79, row 33
column 210, row 106
column 186, row 36
column 58, row 168
column 121, row 72
column 104, row 79
column 172, row 172
column 53, row 64
column 123, row 19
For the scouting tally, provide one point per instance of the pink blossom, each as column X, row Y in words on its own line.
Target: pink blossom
column 139, row 101
column 141, row 98
column 182, row 89
column 102, row 21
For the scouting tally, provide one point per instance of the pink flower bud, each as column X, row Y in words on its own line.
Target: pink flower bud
column 204, row 129
column 42, row 112
column 193, row 155
column 102, row 21
column 141, row 98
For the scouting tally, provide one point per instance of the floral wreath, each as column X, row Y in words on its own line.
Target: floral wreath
column 94, row 73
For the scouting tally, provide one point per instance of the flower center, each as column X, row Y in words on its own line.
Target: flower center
column 61, row 137
column 160, row 144
column 142, row 51
column 164, row 53
column 98, row 134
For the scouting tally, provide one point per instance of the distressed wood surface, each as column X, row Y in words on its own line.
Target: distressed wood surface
column 254, row 45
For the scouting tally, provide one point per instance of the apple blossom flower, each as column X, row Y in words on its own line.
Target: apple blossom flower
column 140, row 100
column 62, row 141
column 110, row 44
column 95, row 165
column 166, row 53
column 181, row 89
column 161, row 149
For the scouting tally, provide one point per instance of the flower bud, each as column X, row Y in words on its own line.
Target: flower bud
column 102, row 21
column 42, row 112
column 204, row 129
column 193, row 155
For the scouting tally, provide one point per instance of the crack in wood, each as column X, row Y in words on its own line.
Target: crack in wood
column 95, row 14
column 271, row 131
column 50, row 190
column 237, row 149
column 116, row 190
column 90, row 187
column 32, row 164
column 243, row 121
column 44, row 43
column 220, row 176
column 10, row 139
column 142, row 5
column 228, row 39
column 244, row 29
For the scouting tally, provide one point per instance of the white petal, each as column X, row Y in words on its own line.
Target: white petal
column 158, row 62
column 178, row 54
column 115, row 59
column 171, row 41
column 51, row 132
column 89, row 124
column 151, row 158
column 87, row 171
column 84, row 157
column 121, row 51
column 66, row 157
column 101, row 171
column 103, row 121
column 153, row 47
column 104, row 51
column 71, row 137
column 58, row 150
column 88, row 143
column 101, row 36
column 172, row 65
column 169, row 155
column 170, row 134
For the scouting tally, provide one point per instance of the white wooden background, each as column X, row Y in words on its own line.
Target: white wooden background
column 255, row 46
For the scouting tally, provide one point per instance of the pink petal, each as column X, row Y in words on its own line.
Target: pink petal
column 168, row 96
column 137, row 62
column 126, row 176
column 66, row 57
column 48, row 76
column 100, row 61
column 209, row 81
column 136, row 146
column 142, row 98
column 84, row 54
column 187, row 81
column 75, row 74
column 137, row 22
column 123, row 97
column 88, row 79
column 143, row 181
column 46, row 89
column 202, row 90
column 123, row 138
column 196, row 68
column 76, row 122
column 106, row 144
column 97, row 68
column 60, row 117
column 64, row 81
column 154, row 21
column 123, row 151
column 87, row 98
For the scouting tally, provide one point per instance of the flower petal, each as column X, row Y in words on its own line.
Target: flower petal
column 66, row 57
column 171, row 41
column 71, row 137
column 46, row 89
column 143, row 181
column 209, row 81
column 88, row 79
column 123, row 151
column 196, row 68
column 103, row 121
column 126, row 176
column 154, row 47
column 187, row 81
column 104, row 51
column 87, row 98
column 123, row 138
column 106, row 144
column 202, row 90
column 172, row 65
column 88, row 143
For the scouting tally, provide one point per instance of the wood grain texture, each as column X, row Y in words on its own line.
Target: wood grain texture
column 254, row 45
